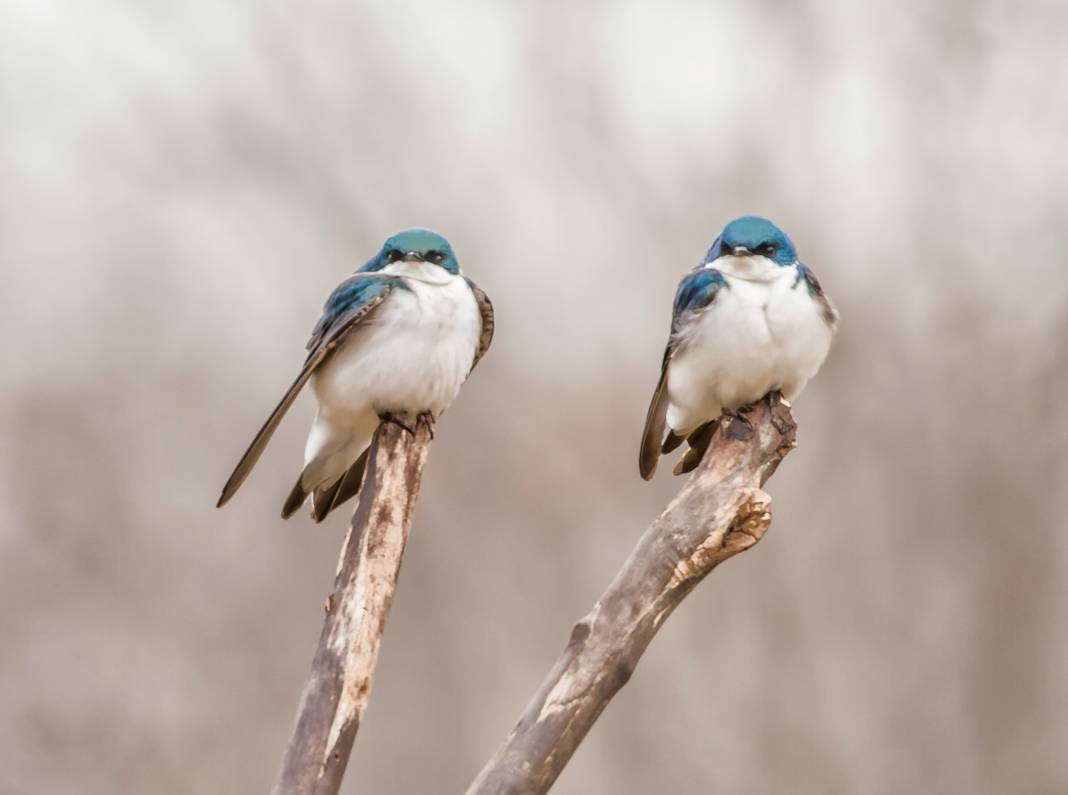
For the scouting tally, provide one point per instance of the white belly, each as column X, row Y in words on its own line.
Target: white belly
column 756, row 337
column 412, row 356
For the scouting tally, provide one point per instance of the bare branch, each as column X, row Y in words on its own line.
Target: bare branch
column 340, row 683
column 720, row 512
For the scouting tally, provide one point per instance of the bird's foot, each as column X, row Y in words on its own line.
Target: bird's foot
column 782, row 424
column 736, row 425
column 426, row 419
column 393, row 419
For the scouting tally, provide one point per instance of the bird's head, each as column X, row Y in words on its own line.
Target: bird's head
column 753, row 236
column 417, row 246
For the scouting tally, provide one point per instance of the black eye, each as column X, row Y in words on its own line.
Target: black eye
column 393, row 255
column 434, row 256
column 724, row 248
column 767, row 249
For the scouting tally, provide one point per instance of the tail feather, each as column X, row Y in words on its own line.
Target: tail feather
column 323, row 499
column 295, row 499
column 698, row 442
column 350, row 484
column 326, row 495
column 671, row 441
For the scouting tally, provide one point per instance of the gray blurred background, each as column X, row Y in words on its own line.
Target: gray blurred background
column 182, row 185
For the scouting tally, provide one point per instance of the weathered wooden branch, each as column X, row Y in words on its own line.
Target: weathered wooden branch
column 340, row 683
column 720, row 512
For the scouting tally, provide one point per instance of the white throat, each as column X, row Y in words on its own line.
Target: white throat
column 754, row 268
column 422, row 271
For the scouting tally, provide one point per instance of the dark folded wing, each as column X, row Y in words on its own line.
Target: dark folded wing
column 485, row 308
column 349, row 306
column 827, row 310
column 696, row 291
column 655, row 420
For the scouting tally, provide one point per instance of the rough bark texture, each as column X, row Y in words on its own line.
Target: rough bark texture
column 340, row 684
column 720, row 512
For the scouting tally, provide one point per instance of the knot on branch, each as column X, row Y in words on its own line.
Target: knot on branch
column 751, row 520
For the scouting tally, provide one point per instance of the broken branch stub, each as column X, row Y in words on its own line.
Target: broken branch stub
column 718, row 513
column 342, row 672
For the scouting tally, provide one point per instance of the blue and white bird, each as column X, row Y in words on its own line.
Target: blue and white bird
column 748, row 320
column 396, row 341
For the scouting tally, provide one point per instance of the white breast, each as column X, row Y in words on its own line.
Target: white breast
column 761, row 333
column 412, row 355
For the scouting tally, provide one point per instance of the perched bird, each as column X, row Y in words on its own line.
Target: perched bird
column 396, row 341
column 748, row 320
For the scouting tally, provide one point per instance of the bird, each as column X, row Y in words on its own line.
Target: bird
column 395, row 342
column 750, row 319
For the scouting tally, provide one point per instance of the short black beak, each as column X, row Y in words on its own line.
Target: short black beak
column 740, row 251
column 413, row 256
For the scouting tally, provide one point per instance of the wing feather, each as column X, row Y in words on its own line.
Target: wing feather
column 655, row 420
column 827, row 310
column 485, row 308
column 354, row 300
column 696, row 291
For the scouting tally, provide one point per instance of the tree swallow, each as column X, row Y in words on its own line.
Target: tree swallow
column 396, row 341
column 748, row 320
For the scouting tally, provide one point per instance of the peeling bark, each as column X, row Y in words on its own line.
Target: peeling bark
column 719, row 512
column 336, row 694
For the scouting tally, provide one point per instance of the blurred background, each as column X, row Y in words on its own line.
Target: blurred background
column 181, row 185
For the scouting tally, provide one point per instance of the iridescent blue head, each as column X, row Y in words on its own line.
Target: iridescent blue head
column 752, row 235
column 415, row 245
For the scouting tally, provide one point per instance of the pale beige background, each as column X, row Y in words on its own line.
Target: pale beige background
column 182, row 184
